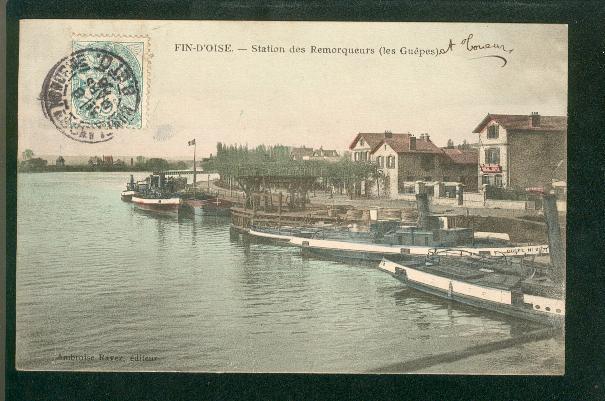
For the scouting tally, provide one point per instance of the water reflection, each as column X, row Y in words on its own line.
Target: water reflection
column 206, row 298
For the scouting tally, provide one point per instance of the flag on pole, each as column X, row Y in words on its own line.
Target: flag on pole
column 192, row 142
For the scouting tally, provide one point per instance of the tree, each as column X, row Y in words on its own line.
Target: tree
column 450, row 144
column 379, row 177
column 140, row 160
column 27, row 154
column 180, row 165
column 464, row 145
column 156, row 164
column 34, row 164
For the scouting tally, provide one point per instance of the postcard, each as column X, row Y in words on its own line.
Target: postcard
column 291, row 197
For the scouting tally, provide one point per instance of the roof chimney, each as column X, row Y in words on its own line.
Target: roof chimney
column 427, row 137
column 535, row 119
column 388, row 134
column 412, row 142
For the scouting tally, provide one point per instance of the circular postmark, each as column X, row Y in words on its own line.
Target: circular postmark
column 90, row 94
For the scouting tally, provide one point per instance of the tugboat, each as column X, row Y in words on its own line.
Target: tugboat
column 509, row 285
column 131, row 190
column 159, row 194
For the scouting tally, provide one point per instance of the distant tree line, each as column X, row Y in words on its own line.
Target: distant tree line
column 95, row 163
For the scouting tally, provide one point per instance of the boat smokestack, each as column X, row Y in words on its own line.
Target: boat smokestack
column 422, row 202
column 555, row 243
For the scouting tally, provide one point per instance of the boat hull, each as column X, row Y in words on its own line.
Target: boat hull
column 170, row 206
column 209, row 207
column 270, row 237
column 487, row 298
column 337, row 254
column 280, row 237
column 359, row 250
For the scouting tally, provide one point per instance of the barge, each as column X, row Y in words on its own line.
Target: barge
column 485, row 284
column 372, row 251
column 510, row 285
column 390, row 238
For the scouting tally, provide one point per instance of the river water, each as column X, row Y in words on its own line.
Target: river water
column 102, row 286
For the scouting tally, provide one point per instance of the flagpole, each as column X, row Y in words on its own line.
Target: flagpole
column 194, row 167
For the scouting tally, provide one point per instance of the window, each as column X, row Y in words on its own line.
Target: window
column 492, row 156
column 487, row 180
column 446, row 178
column 410, row 178
column 492, row 131
column 498, row 180
column 380, row 161
column 361, row 143
column 390, row 162
column 428, row 178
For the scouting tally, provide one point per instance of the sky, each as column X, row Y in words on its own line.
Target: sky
column 313, row 99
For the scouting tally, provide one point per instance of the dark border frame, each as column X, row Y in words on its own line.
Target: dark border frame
column 585, row 372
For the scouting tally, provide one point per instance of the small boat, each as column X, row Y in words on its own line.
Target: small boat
column 496, row 285
column 127, row 195
column 213, row 206
column 280, row 234
column 130, row 191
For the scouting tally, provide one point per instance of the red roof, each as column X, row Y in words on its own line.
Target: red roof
column 523, row 122
column 371, row 138
column 401, row 144
column 459, row 156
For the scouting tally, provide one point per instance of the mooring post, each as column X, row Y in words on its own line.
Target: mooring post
column 422, row 203
column 279, row 209
column 460, row 194
column 555, row 243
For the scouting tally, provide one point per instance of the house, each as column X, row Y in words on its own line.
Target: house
column 302, row 153
column 464, row 164
column 405, row 158
column 325, row 154
column 522, row 151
